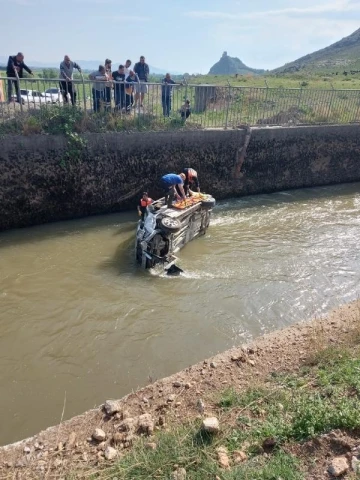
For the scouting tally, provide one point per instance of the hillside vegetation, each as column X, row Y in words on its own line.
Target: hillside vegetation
column 341, row 56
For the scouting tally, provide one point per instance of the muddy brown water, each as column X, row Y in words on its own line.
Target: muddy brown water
column 80, row 323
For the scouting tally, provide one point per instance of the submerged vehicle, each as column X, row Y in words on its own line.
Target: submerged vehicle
column 167, row 229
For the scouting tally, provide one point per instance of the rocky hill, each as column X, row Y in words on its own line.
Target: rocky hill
column 232, row 65
column 342, row 55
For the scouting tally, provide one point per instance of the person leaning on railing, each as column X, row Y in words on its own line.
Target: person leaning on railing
column 99, row 78
column 167, row 85
column 15, row 68
column 131, row 80
column 66, row 85
column 119, row 87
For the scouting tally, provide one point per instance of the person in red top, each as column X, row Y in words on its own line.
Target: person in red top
column 144, row 202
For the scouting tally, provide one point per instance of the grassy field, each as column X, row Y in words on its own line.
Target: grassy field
column 305, row 80
column 230, row 101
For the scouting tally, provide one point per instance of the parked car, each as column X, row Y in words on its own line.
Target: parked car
column 31, row 96
column 53, row 95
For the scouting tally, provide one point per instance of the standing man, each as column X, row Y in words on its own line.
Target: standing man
column 191, row 178
column 109, row 85
column 66, row 85
column 170, row 183
column 142, row 70
column 99, row 78
column 166, row 94
column 127, row 68
column 16, row 65
column 119, row 87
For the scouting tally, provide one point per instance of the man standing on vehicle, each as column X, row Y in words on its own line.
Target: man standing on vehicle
column 169, row 183
column 191, row 179
column 66, row 85
column 142, row 70
column 15, row 68
column 145, row 201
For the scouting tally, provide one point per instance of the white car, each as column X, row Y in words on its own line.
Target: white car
column 53, row 95
column 32, row 96
column 168, row 229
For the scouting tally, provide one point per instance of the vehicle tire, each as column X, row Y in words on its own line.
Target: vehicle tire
column 171, row 225
column 208, row 203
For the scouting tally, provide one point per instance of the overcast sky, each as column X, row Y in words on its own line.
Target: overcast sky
column 183, row 35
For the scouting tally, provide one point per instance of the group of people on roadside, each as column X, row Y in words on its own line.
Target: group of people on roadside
column 129, row 85
column 126, row 85
column 174, row 186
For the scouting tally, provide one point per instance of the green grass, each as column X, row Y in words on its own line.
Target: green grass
column 68, row 120
column 290, row 99
column 288, row 407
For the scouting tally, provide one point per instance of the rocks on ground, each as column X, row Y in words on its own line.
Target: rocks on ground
column 223, row 458
column 239, row 456
column 112, row 406
column 146, row 424
column 211, row 425
column 179, row 474
column 110, row 453
column 338, row 466
column 99, row 435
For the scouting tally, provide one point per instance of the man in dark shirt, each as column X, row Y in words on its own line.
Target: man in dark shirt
column 166, row 94
column 119, row 88
column 15, row 68
column 131, row 80
column 142, row 70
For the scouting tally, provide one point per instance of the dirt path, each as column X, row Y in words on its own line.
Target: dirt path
column 69, row 447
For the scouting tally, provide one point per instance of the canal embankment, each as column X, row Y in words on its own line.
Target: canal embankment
column 270, row 406
column 46, row 178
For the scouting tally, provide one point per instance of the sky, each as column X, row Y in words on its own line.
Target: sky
column 175, row 35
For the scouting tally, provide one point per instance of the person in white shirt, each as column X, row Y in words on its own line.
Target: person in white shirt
column 127, row 69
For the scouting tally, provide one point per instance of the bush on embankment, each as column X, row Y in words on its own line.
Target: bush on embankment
column 64, row 120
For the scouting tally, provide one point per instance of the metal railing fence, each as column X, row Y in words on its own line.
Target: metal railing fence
column 211, row 106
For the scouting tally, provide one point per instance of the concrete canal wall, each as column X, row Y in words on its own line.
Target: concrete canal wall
column 47, row 178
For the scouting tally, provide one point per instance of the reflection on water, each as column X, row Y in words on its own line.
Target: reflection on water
column 78, row 316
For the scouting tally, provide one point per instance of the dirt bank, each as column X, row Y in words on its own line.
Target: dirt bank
column 70, row 447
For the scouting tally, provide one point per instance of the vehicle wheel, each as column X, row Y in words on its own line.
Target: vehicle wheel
column 208, row 203
column 170, row 225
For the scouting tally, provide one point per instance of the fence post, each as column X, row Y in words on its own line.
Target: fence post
column 18, row 86
column 227, row 107
column 84, row 93
column 266, row 100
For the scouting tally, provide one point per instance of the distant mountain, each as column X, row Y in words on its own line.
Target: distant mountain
column 342, row 54
column 232, row 65
column 86, row 65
